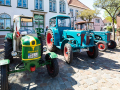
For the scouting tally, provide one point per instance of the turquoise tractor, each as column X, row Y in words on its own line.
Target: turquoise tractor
column 61, row 36
column 26, row 44
column 101, row 38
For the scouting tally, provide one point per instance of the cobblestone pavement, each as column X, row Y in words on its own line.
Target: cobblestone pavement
column 102, row 73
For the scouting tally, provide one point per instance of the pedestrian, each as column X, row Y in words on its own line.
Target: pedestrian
column 46, row 30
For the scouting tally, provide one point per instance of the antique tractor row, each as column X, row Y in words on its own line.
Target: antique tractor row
column 101, row 38
column 26, row 44
column 60, row 36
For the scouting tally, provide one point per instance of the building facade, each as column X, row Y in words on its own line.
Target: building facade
column 98, row 24
column 75, row 6
column 41, row 10
column 108, row 23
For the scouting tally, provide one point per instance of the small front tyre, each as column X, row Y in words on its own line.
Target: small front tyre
column 53, row 68
column 112, row 44
column 102, row 46
column 93, row 52
column 4, row 77
column 68, row 54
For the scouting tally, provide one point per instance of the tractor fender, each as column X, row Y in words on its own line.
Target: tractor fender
column 9, row 36
column 56, row 35
column 4, row 62
column 63, row 43
column 52, row 55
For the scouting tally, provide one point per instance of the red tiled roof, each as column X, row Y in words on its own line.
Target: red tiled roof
column 77, row 3
column 106, row 21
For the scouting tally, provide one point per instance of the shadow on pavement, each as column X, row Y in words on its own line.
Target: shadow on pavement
column 40, row 80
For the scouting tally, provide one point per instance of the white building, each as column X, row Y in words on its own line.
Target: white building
column 41, row 10
column 75, row 6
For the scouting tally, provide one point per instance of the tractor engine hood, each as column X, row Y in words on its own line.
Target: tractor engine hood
column 31, row 48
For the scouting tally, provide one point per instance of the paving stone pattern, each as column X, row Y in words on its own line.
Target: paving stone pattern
column 102, row 73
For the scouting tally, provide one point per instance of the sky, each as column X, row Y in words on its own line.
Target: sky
column 89, row 3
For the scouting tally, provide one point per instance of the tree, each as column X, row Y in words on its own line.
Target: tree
column 111, row 7
column 108, row 17
column 87, row 15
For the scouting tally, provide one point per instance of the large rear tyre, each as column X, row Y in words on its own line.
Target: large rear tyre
column 93, row 52
column 68, row 54
column 8, row 47
column 102, row 46
column 4, row 77
column 50, row 41
column 53, row 68
column 112, row 44
column 41, row 46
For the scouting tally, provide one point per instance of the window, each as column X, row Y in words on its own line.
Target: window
column 5, row 2
column 52, row 5
column 22, row 3
column 71, row 12
column 39, row 4
column 52, row 22
column 97, row 20
column 5, row 21
column 62, row 6
column 64, row 22
column 76, row 13
column 109, row 24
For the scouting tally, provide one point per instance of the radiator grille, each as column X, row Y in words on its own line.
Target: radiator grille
column 82, row 38
column 87, row 40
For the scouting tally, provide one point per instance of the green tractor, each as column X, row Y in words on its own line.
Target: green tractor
column 26, row 44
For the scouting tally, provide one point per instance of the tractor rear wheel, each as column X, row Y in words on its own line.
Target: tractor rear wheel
column 8, row 47
column 41, row 46
column 102, row 46
column 93, row 52
column 68, row 54
column 53, row 68
column 50, row 41
column 112, row 44
column 4, row 77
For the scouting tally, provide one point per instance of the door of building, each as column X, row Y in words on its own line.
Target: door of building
column 39, row 23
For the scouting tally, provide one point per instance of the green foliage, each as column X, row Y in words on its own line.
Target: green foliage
column 110, row 19
column 88, row 15
column 111, row 7
column 118, row 29
column 109, row 28
column 7, row 27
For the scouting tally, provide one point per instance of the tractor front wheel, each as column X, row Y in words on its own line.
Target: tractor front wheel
column 93, row 52
column 50, row 41
column 68, row 54
column 112, row 44
column 8, row 49
column 4, row 77
column 53, row 68
column 102, row 46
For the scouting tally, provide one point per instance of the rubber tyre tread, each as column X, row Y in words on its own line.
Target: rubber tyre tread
column 70, row 53
column 8, row 47
column 113, row 46
column 53, row 47
column 56, row 68
column 4, row 77
column 41, row 46
column 106, row 46
column 95, row 55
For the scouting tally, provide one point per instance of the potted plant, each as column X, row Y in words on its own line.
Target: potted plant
column 118, row 31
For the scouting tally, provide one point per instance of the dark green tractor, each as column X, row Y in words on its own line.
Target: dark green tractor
column 26, row 44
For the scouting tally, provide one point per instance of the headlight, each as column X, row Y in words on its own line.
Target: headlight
column 14, row 53
column 78, row 34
